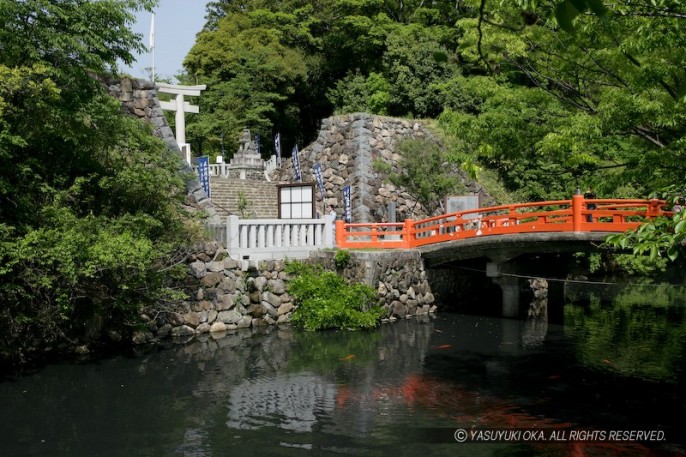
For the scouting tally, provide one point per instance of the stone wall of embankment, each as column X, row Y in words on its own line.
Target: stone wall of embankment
column 225, row 295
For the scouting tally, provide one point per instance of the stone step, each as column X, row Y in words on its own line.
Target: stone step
column 260, row 195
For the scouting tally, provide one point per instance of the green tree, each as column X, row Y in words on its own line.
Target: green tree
column 356, row 93
column 90, row 215
column 378, row 56
column 415, row 64
column 502, row 126
column 618, row 77
column 250, row 75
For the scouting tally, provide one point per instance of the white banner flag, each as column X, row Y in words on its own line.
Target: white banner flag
column 296, row 163
column 152, row 31
column 277, row 146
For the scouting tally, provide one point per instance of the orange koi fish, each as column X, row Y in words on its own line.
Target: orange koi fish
column 443, row 346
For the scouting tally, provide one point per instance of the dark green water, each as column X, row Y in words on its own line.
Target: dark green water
column 599, row 364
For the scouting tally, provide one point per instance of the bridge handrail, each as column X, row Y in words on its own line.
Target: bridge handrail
column 574, row 215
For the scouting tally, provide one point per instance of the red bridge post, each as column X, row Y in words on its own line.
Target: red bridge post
column 577, row 207
column 408, row 226
column 341, row 239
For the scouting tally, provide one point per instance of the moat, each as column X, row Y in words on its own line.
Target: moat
column 592, row 366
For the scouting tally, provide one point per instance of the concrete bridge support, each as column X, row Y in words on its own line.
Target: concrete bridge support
column 510, row 288
column 512, row 276
column 503, row 274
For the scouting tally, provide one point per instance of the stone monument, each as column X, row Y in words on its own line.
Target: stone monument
column 247, row 163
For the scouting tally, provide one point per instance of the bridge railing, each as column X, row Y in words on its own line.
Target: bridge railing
column 575, row 215
column 258, row 239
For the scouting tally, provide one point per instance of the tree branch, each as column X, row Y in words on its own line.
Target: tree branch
column 648, row 135
column 482, row 6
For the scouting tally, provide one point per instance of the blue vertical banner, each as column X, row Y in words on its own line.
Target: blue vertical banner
column 296, row 163
column 204, row 173
column 257, row 142
column 348, row 216
column 319, row 178
column 277, row 147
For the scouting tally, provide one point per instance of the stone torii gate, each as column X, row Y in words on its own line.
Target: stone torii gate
column 181, row 107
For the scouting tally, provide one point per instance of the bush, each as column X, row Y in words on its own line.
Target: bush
column 342, row 258
column 327, row 301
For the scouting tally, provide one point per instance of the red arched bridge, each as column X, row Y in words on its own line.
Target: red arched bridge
column 499, row 228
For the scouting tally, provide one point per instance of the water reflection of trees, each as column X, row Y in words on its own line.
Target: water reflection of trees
column 640, row 332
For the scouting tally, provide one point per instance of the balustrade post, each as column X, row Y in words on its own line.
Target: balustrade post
column 261, row 238
column 577, row 207
column 243, row 238
column 278, row 235
column 653, row 210
column 311, row 241
column 232, row 233
column 270, row 236
column 341, row 239
column 287, row 234
column 512, row 212
column 408, row 242
column 303, row 235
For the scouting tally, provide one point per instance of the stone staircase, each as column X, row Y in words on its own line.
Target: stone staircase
column 261, row 196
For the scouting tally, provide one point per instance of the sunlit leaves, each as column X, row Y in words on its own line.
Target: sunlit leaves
column 250, row 72
column 663, row 237
column 327, row 301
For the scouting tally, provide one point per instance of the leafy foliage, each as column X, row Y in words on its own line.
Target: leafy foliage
column 342, row 258
column 250, row 73
column 663, row 237
column 617, row 112
column 326, row 301
column 356, row 93
column 90, row 215
column 283, row 66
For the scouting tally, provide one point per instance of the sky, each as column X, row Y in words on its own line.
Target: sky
column 176, row 24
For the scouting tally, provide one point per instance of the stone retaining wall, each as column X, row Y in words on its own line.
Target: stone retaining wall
column 398, row 277
column 226, row 295
column 347, row 148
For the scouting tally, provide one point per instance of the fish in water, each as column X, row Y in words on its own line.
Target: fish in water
column 443, row 346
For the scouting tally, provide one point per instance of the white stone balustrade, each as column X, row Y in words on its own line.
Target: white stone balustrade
column 266, row 239
column 222, row 169
column 216, row 169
